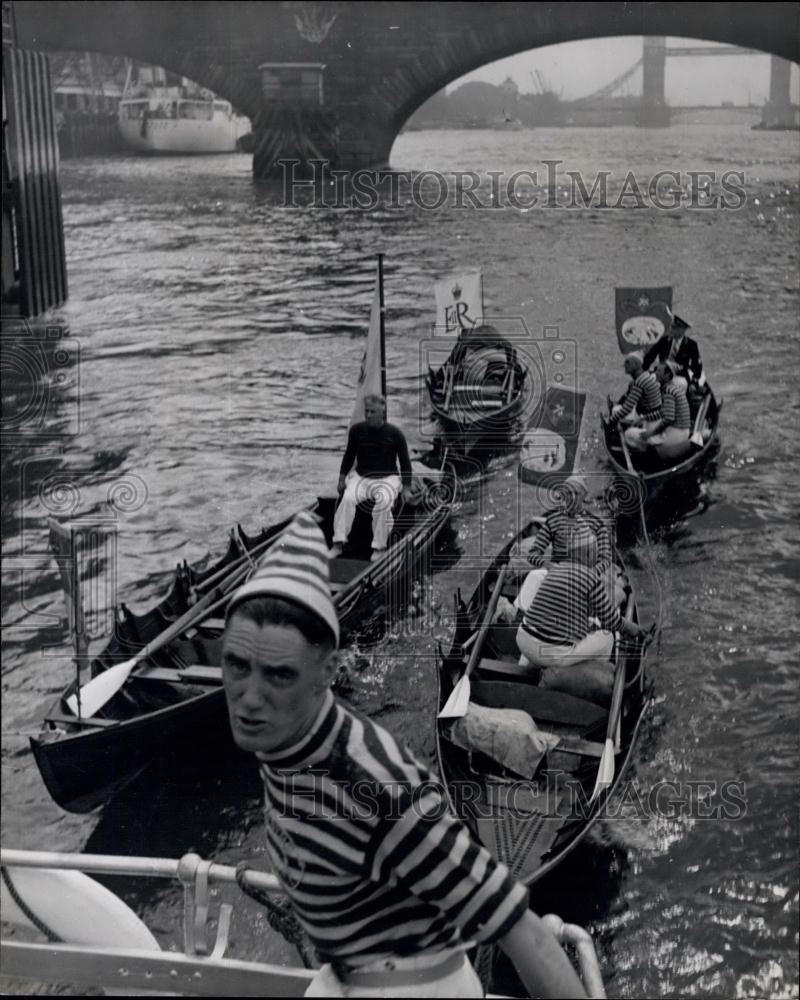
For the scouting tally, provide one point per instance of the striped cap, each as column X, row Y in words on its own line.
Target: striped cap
column 295, row 568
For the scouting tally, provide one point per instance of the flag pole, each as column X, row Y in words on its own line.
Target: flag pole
column 383, row 325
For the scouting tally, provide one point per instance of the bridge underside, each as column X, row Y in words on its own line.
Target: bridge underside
column 375, row 63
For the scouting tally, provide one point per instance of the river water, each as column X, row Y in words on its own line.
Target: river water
column 214, row 339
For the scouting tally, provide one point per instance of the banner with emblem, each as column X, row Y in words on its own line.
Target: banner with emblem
column 550, row 444
column 370, row 377
column 642, row 316
column 459, row 303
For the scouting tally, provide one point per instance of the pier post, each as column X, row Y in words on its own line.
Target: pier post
column 34, row 273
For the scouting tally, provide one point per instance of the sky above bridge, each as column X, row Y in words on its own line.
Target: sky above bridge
column 576, row 69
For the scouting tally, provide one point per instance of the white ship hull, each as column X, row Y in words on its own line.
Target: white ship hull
column 166, row 135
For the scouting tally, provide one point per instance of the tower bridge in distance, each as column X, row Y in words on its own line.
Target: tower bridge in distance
column 654, row 110
column 336, row 81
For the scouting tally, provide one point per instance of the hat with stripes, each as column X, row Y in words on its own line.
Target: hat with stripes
column 295, row 568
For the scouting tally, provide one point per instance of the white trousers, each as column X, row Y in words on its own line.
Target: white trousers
column 463, row 983
column 358, row 489
column 633, row 435
column 595, row 646
column 671, row 443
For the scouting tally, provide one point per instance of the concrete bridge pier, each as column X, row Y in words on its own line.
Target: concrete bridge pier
column 300, row 122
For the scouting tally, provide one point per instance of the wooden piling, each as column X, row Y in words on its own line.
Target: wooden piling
column 29, row 133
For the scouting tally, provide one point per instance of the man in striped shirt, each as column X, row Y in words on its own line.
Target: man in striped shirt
column 557, row 527
column 389, row 887
column 670, row 436
column 641, row 404
column 555, row 630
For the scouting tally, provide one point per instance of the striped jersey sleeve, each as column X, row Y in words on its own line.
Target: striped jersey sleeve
column 600, row 606
column 650, row 403
column 544, row 537
column 644, row 395
column 433, row 855
column 676, row 412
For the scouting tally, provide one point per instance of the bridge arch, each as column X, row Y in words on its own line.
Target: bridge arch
column 382, row 61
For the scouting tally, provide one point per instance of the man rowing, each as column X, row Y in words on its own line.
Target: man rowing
column 677, row 348
column 557, row 527
column 376, row 448
column 640, row 407
column 388, row 885
column 670, row 436
column 557, row 630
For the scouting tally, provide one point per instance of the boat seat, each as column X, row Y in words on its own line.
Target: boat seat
column 218, row 624
column 194, row 674
column 482, row 389
column 543, row 704
column 508, row 669
column 73, row 720
column 586, row 748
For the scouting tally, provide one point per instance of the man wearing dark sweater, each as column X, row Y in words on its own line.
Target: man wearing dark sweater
column 375, row 448
column 678, row 350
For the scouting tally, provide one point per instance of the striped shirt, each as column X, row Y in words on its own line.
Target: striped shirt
column 644, row 394
column 556, row 531
column 675, row 406
column 359, row 834
column 569, row 595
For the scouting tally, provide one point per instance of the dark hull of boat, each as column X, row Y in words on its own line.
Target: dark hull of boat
column 83, row 766
column 466, row 428
column 531, row 824
column 664, row 490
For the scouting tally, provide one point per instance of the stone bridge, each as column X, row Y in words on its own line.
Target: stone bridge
column 344, row 77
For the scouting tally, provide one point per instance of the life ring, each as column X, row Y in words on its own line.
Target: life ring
column 70, row 907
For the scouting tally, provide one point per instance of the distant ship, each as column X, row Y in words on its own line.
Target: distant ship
column 161, row 115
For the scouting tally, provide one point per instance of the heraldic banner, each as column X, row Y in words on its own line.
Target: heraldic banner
column 642, row 316
column 550, row 445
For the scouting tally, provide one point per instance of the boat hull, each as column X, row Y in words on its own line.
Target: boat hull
column 169, row 136
column 669, row 491
column 533, row 823
column 83, row 766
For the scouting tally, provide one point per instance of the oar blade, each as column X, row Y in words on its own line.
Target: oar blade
column 605, row 772
column 101, row 689
column 456, row 705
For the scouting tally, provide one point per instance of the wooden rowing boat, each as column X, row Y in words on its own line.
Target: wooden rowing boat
column 531, row 822
column 478, row 394
column 174, row 698
column 655, row 475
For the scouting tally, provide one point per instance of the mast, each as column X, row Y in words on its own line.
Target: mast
column 383, row 325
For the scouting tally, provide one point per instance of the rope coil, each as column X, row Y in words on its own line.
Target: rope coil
column 279, row 916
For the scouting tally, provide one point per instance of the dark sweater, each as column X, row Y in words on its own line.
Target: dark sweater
column 376, row 452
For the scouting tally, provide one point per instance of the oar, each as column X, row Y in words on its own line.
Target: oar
column 605, row 771
column 625, row 452
column 456, row 705
column 697, row 437
column 101, row 689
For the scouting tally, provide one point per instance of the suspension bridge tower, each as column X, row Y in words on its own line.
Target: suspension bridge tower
column 654, row 111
